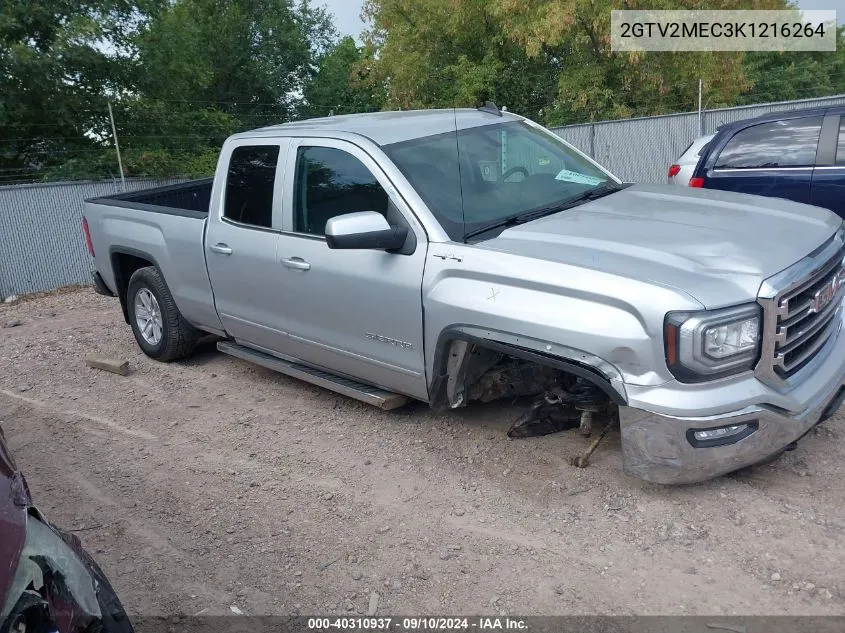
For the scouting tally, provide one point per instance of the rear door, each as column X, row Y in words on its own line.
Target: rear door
column 355, row 312
column 773, row 159
column 245, row 219
column 828, row 188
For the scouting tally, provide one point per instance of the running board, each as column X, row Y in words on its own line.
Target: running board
column 365, row 393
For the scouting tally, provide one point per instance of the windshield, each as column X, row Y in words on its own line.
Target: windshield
column 492, row 173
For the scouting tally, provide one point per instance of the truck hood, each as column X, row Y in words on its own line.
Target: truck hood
column 716, row 246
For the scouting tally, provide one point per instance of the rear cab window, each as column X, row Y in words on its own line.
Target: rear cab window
column 786, row 143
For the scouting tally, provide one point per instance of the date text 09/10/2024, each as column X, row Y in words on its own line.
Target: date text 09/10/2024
column 416, row 624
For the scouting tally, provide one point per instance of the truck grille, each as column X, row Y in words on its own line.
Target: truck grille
column 802, row 312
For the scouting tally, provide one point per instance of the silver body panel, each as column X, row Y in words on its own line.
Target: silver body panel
column 716, row 246
column 590, row 285
column 177, row 245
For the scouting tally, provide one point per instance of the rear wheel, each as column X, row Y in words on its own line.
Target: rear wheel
column 161, row 331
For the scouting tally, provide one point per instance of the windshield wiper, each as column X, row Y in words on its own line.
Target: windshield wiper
column 600, row 191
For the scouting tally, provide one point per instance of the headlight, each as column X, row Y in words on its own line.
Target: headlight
column 712, row 343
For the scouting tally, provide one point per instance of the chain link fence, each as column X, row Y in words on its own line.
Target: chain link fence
column 641, row 149
column 41, row 241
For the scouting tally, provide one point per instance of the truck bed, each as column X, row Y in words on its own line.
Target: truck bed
column 190, row 198
column 163, row 227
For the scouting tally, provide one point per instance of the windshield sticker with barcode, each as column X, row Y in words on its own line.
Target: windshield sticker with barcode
column 574, row 176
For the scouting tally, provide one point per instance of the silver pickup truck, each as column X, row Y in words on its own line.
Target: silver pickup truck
column 453, row 256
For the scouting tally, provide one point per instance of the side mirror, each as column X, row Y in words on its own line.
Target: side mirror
column 364, row 230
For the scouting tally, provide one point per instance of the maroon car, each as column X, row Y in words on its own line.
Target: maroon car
column 48, row 583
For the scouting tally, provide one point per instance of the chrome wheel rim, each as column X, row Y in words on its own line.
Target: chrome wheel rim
column 148, row 316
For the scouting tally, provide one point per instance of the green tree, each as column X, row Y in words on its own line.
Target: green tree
column 546, row 59
column 204, row 69
column 442, row 53
column 784, row 76
column 342, row 83
column 58, row 60
column 249, row 59
column 181, row 75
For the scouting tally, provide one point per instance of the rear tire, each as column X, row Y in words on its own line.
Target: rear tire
column 161, row 331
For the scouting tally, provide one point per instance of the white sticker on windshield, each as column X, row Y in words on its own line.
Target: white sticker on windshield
column 574, row 176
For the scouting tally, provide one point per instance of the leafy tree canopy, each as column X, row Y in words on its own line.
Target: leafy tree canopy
column 55, row 70
column 552, row 60
column 182, row 75
column 342, row 83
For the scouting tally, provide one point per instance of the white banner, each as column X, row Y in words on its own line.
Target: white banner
column 791, row 30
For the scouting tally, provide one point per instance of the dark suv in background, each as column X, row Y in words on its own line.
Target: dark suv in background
column 799, row 155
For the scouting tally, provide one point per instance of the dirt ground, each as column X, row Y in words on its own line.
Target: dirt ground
column 211, row 483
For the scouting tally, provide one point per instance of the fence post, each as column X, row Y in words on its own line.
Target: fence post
column 117, row 147
column 593, row 141
column 700, row 113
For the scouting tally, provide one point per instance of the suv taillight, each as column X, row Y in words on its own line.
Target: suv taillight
column 674, row 170
column 696, row 182
column 87, row 236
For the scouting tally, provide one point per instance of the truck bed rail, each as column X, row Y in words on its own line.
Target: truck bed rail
column 186, row 198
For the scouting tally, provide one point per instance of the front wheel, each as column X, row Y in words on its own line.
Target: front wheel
column 161, row 331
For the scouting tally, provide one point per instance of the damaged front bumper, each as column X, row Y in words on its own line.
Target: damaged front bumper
column 57, row 586
column 668, row 447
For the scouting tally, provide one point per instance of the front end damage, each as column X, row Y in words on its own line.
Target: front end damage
column 562, row 399
column 48, row 582
column 57, row 586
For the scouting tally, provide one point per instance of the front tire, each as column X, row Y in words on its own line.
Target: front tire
column 161, row 331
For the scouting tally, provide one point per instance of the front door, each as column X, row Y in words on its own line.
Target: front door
column 356, row 312
column 241, row 241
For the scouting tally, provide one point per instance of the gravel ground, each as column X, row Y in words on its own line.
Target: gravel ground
column 211, row 483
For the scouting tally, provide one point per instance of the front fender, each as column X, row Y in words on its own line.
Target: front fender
column 451, row 344
column 611, row 324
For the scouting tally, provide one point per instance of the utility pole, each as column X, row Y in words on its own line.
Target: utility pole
column 700, row 112
column 117, row 147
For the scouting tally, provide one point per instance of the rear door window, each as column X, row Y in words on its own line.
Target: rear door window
column 788, row 143
column 249, row 185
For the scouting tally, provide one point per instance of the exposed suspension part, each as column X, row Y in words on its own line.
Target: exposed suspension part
column 566, row 405
column 563, row 401
column 583, row 460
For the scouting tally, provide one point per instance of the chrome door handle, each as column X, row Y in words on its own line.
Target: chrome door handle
column 296, row 263
column 221, row 248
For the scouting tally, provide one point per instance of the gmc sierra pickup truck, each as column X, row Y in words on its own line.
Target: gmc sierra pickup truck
column 453, row 256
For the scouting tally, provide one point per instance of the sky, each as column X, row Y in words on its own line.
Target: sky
column 348, row 21
column 347, row 15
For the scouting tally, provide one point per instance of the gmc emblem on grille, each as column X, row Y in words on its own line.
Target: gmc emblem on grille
column 826, row 293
